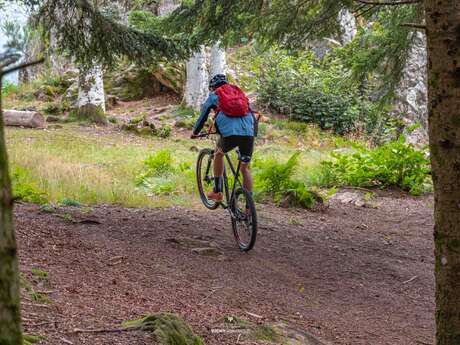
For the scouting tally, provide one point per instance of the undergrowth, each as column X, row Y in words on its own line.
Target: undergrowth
column 395, row 164
column 274, row 181
column 24, row 188
column 169, row 329
column 162, row 175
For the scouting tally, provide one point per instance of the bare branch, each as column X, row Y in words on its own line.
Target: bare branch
column 415, row 26
column 389, row 3
column 21, row 66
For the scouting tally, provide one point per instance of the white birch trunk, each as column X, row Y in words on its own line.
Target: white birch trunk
column 91, row 98
column 217, row 61
column 196, row 87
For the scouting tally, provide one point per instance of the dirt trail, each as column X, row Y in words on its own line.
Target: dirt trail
column 349, row 275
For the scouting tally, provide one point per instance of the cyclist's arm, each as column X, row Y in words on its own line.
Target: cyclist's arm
column 211, row 103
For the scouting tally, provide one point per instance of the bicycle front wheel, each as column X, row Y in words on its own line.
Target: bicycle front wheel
column 244, row 220
column 205, row 177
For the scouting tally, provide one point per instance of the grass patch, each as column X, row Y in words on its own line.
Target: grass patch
column 30, row 290
column 29, row 339
column 89, row 168
column 40, row 274
column 265, row 333
column 80, row 165
column 169, row 329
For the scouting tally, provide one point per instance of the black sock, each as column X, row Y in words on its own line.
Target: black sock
column 218, row 184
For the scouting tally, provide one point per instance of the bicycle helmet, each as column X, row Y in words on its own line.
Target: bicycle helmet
column 217, row 80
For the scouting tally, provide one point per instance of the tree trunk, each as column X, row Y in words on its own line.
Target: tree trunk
column 196, row 87
column 10, row 317
column 91, row 99
column 443, row 41
column 31, row 119
column 217, row 60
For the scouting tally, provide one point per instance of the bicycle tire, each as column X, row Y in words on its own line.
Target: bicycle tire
column 237, row 216
column 203, row 157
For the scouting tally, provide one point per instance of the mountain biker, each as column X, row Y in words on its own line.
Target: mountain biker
column 236, row 124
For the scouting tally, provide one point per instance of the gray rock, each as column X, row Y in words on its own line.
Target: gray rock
column 207, row 251
column 411, row 94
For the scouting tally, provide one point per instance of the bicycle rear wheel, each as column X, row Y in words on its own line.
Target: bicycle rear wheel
column 244, row 220
column 205, row 177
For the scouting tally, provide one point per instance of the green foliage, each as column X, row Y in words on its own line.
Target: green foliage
column 315, row 91
column 169, row 329
column 157, row 177
column 394, row 164
column 265, row 333
column 162, row 177
column 145, row 21
column 18, row 36
column 159, row 164
column 70, row 202
column 24, row 188
column 91, row 33
column 275, row 180
column 163, row 132
column 185, row 112
column 29, row 339
column 29, row 288
column 9, row 88
column 40, row 274
column 378, row 53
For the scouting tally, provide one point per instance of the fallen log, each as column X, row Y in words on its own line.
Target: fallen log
column 31, row 119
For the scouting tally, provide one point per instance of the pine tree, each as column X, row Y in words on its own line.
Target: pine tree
column 443, row 40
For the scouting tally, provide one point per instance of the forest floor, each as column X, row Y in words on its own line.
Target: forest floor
column 348, row 275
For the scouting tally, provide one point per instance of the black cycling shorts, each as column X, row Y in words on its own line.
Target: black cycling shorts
column 245, row 145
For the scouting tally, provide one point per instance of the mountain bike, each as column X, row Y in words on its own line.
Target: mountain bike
column 238, row 202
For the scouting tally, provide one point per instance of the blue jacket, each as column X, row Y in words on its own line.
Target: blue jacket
column 226, row 125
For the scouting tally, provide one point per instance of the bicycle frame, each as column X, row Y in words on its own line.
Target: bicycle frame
column 236, row 173
column 236, row 182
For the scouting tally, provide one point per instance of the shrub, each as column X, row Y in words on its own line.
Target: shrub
column 24, row 189
column 393, row 164
column 9, row 88
column 275, row 181
column 157, row 165
column 163, row 132
column 315, row 91
column 162, row 177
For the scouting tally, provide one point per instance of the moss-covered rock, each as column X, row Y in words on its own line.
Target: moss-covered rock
column 169, row 329
column 145, row 131
column 186, row 123
column 131, row 82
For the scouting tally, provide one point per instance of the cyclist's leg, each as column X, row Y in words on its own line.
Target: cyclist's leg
column 218, row 167
column 246, row 147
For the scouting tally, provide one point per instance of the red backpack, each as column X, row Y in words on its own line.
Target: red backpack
column 232, row 101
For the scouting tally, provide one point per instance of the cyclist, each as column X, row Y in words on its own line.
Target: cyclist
column 236, row 124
